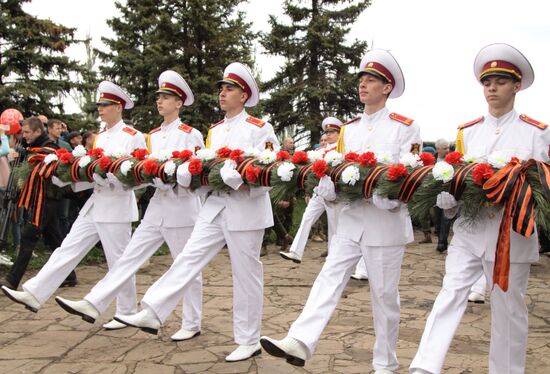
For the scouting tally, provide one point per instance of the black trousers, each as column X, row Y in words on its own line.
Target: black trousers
column 52, row 235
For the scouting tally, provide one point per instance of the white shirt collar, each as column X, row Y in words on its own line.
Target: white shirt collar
column 502, row 120
column 116, row 128
column 167, row 126
column 377, row 116
column 236, row 119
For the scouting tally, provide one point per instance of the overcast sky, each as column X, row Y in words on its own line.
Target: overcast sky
column 435, row 42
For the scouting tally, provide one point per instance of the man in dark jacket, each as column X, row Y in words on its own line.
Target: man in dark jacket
column 35, row 135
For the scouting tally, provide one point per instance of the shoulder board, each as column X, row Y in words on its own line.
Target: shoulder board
column 216, row 124
column 471, row 123
column 255, row 121
column 130, row 130
column 533, row 122
column 185, row 128
column 352, row 120
column 154, row 130
column 399, row 118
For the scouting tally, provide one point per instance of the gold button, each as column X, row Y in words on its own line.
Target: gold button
column 369, row 128
column 368, row 146
column 497, row 131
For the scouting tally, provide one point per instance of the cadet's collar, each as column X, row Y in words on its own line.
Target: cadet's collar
column 235, row 119
column 502, row 120
column 377, row 116
column 118, row 127
column 166, row 126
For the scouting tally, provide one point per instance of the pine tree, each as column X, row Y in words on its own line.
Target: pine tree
column 35, row 74
column 196, row 38
column 315, row 80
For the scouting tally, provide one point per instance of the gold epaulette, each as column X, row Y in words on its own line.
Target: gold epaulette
column 255, row 121
column 533, row 122
column 471, row 123
column 185, row 128
column 402, row 119
column 130, row 130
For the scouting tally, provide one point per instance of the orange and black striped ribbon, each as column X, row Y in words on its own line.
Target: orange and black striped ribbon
column 265, row 175
column 544, row 176
column 458, row 184
column 302, row 175
column 509, row 186
column 137, row 171
column 412, row 182
column 371, row 179
column 206, row 169
column 115, row 165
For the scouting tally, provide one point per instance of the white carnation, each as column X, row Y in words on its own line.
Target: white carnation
column 498, row 159
column 443, row 171
column 351, row 175
column 170, row 168
column 384, row 158
column 84, row 161
column 315, row 155
column 206, row 154
column 470, row 159
column 285, row 171
column 411, row 160
column 126, row 166
column 117, row 153
column 267, row 157
column 162, row 155
column 79, row 151
column 334, row 158
column 50, row 158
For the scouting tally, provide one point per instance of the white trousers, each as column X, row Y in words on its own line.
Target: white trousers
column 84, row 234
column 206, row 240
column 508, row 315
column 146, row 240
column 313, row 211
column 480, row 286
column 361, row 268
column 384, row 268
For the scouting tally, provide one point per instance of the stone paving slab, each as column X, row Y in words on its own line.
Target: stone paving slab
column 53, row 341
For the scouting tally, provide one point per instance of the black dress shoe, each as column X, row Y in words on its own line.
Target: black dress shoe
column 69, row 283
column 8, row 283
column 441, row 247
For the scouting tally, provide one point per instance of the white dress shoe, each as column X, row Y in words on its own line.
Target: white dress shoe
column 184, row 334
column 146, row 320
column 476, row 298
column 114, row 325
column 289, row 348
column 22, row 297
column 360, row 276
column 80, row 308
column 383, row 371
column 291, row 256
column 244, row 352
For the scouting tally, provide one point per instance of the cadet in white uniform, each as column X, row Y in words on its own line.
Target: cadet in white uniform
column 503, row 71
column 163, row 220
column 107, row 216
column 376, row 232
column 317, row 205
column 237, row 219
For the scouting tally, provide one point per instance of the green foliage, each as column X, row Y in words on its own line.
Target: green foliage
column 196, row 38
column 35, row 73
column 316, row 79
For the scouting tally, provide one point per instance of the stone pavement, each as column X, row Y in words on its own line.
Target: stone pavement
column 53, row 341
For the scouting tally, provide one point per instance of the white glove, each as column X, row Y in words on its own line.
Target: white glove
column 160, row 185
column 183, row 176
column 58, row 182
column 113, row 180
column 384, row 203
column 81, row 186
column 230, row 176
column 446, row 201
column 100, row 181
column 325, row 189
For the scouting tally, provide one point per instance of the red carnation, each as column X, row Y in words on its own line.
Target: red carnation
column 223, row 152
column 195, row 166
column 352, row 157
column 237, row 156
column 320, row 168
column 300, row 157
column 427, row 158
column 454, row 158
column 183, row 155
column 60, row 151
column 283, row 155
column 95, row 152
column 397, row 171
column 140, row 153
column 367, row 159
column 481, row 173
column 65, row 157
column 514, row 160
column 150, row 167
column 252, row 173
column 104, row 162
